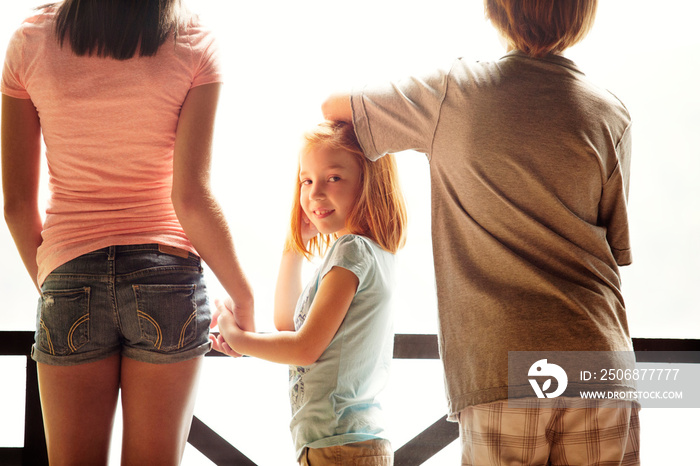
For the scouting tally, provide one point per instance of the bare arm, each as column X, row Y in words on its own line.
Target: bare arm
column 21, row 157
column 288, row 290
column 337, row 107
column 288, row 287
column 198, row 211
column 304, row 347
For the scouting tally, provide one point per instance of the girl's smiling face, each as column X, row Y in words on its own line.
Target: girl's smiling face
column 330, row 186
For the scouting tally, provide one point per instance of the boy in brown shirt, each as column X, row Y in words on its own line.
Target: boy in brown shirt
column 529, row 166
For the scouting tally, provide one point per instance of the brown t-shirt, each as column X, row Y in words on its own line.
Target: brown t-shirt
column 529, row 167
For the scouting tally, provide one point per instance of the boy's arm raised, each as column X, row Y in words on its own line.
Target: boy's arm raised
column 304, row 347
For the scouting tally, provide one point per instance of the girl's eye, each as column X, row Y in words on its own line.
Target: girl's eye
column 334, row 178
column 305, row 182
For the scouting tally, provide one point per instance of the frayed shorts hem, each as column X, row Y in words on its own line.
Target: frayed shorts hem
column 73, row 359
column 165, row 358
column 131, row 353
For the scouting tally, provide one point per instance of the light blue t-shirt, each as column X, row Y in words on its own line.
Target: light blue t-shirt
column 334, row 399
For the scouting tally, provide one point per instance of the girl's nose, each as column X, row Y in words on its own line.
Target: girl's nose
column 316, row 192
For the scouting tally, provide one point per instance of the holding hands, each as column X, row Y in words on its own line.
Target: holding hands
column 225, row 317
column 236, row 324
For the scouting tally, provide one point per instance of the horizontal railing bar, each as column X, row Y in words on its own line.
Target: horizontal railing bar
column 666, row 350
column 415, row 346
column 406, row 346
column 16, row 343
column 421, row 346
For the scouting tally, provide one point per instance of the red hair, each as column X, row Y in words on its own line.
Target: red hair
column 379, row 212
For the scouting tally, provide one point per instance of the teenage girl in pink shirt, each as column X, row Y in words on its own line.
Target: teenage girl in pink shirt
column 125, row 95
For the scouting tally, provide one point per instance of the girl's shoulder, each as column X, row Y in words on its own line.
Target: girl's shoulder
column 191, row 24
column 351, row 252
column 357, row 249
column 199, row 37
column 34, row 29
column 350, row 247
column 352, row 241
column 43, row 16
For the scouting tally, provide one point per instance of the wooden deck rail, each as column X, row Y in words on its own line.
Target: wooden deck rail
column 406, row 346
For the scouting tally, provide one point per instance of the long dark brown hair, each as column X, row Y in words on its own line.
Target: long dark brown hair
column 117, row 28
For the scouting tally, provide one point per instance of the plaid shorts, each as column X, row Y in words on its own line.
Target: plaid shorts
column 494, row 434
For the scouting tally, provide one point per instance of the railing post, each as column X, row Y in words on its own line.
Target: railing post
column 34, row 452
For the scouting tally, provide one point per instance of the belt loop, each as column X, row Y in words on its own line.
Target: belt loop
column 111, row 252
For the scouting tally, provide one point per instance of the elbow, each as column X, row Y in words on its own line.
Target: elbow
column 307, row 354
column 284, row 324
column 186, row 201
column 15, row 209
column 326, row 109
column 284, row 327
column 181, row 202
column 181, row 208
column 305, row 358
column 337, row 107
column 10, row 213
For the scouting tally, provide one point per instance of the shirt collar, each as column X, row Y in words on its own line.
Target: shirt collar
column 556, row 59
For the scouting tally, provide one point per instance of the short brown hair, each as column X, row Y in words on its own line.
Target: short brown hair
column 539, row 27
column 379, row 212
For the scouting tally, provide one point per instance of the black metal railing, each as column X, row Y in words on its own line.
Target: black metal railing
column 418, row 450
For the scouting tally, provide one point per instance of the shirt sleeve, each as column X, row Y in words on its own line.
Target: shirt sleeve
column 352, row 253
column 400, row 115
column 207, row 57
column 613, row 203
column 12, row 83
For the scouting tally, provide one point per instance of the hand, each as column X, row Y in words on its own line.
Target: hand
column 245, row 316
column 226, row 321
column 308, row 229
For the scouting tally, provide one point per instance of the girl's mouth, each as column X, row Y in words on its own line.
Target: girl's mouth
column 323, row 213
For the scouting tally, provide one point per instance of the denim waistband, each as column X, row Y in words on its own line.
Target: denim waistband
column 113, row 251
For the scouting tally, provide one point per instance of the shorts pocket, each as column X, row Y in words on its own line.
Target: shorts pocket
column 64, row 321
column 167, row 314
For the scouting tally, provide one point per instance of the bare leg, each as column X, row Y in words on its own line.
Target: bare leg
column 78, row 404
column 157, row 401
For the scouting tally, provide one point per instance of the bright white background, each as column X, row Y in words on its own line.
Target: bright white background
column 282, row 58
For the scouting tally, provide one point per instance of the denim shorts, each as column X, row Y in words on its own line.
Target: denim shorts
column 147, row 302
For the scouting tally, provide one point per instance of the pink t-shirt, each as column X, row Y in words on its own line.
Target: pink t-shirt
column 109, row 129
